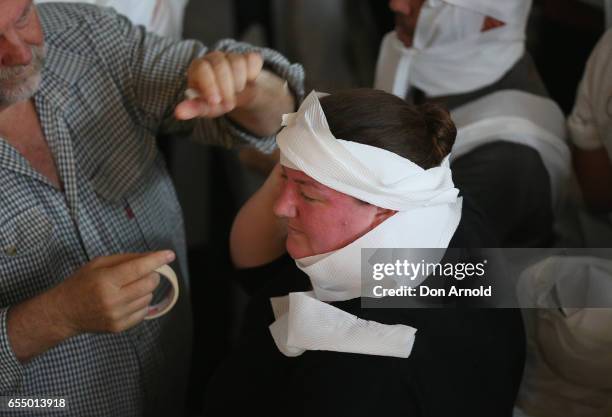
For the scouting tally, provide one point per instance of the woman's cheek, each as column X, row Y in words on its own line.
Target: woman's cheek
column 312, row 218
column 333, row 231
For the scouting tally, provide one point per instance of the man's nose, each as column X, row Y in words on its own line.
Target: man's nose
column 13, row 50
column 284, row 206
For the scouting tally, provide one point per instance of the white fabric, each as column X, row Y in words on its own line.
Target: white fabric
column 570, row 360
column 590, row 128
column 590, row 123
column 429, row 212
column 450, row 54
column 371, row 174
column 518, row 117
column 163, row 17
column 318, row 326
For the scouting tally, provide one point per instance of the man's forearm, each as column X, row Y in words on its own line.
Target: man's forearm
column 33, row 328
column 272, row 98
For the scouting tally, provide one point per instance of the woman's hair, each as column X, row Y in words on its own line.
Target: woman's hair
column 423, row 134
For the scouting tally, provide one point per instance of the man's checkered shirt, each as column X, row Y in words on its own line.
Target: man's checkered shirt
column 108, row 90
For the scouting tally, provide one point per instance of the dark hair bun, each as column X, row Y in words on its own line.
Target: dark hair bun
column 423, row 134
column 441, row 129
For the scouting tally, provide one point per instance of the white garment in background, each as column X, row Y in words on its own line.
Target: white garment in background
column 518, row 117
column 163, row 17
column 450, row 54
column 569, row 362
column 429, row 211
column 590, row 123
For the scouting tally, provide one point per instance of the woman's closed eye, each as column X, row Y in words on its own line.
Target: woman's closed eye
column 308, row 198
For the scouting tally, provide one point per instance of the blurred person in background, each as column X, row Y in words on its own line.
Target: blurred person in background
column 162, row 17
column 590, row 128
column 510, row 154
column 568, row 324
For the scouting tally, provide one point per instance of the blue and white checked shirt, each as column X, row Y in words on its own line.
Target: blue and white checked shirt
column 108, row 90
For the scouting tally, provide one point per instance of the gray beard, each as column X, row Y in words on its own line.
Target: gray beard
column 21, row 82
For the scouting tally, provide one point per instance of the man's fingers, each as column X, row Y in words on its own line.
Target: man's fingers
column 187, row 111
column 220, row 79
column 137, row 305
column 135, row 318
column 239, row 70
column 254, row 66
column 202, row 78
column 137, row 268
column 113, row 260
column 140, row 288
column 225, row 80
column 190, row 109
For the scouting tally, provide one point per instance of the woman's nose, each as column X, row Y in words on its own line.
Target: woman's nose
column 284, row 206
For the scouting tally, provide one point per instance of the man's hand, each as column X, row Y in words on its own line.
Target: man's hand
column 223, row 81
column 109, row 294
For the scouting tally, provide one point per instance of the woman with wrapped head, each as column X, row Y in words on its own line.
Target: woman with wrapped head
column 361, row 169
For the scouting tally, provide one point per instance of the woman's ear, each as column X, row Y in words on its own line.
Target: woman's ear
column 382, row 214
column 491, row 23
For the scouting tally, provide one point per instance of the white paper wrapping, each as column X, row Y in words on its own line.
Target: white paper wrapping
column 429, row 212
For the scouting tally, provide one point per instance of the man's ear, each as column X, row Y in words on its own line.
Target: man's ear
column 491, row 23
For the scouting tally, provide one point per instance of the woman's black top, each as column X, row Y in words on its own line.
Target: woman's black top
column 465, row 362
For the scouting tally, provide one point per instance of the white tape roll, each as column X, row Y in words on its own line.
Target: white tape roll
column 165, row 305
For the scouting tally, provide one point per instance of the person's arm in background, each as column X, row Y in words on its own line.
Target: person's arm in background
column 242, row 88
column 258, row 236
column 587, row 127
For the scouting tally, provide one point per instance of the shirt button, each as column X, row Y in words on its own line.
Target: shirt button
column 11, row 250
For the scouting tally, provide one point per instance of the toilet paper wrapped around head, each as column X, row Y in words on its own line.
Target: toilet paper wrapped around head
column 394, row 155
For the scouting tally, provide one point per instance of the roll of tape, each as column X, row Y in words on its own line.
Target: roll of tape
column 165, row 305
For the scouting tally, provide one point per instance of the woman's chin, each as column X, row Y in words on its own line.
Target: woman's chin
column 296, row 248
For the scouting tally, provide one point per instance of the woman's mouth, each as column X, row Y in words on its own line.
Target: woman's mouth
column 292, row 229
